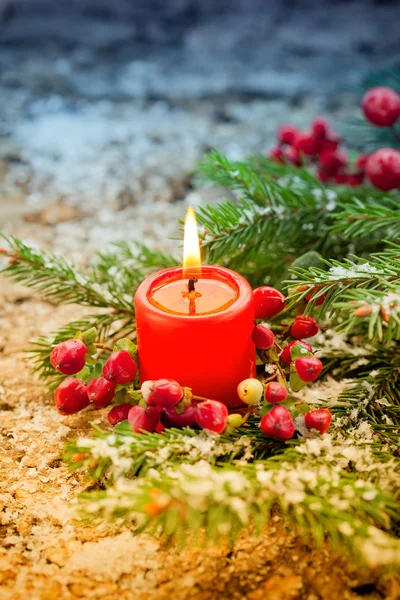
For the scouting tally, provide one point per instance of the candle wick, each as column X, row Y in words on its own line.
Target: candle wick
column 191, row 282
column 192, row 295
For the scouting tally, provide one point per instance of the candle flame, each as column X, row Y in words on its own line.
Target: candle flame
column 191, row 245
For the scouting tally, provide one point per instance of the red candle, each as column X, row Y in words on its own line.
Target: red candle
column 194, row 325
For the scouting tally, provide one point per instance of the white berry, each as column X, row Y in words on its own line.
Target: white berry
column 250, row 391
column 146, row 388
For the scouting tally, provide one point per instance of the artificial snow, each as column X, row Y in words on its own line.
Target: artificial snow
column 338, row 273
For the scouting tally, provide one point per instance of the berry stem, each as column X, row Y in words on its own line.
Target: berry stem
column 246, row 416
column 281, row 371
column 103, row 347
column 199, row 398
column 270, row 378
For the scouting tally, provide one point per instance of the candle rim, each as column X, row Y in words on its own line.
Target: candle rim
column 245, row 293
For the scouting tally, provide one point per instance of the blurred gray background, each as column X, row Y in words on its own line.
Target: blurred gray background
column 106, row 107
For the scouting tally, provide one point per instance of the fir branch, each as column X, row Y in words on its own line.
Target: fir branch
column 109, row 283
column 206, row 503
column 356, row 292
column 372, row 386
column 234, row 175
column 131, row 262
column 375, row 399
column 339, row 485
column 282, row 212
column 251, row 235
column 351, row 358
column 55, row 278
column 358, row 218
column 389, row 77
column 365, row 137
column 132, row 454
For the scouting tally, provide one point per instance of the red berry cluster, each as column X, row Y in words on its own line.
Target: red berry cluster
column 279, row 406
column 73, row 395
column 165, row 402
column 381, row 107
column 320, row 146
column 278, row 422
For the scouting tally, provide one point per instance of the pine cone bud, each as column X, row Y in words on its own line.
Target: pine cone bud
column 384, row 314
column 363, row 311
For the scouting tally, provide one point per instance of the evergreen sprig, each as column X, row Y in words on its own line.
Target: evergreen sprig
column 109, row 283
column 359, row 219
column 283, row 212
column 204, row 503
column 355, row 291
column 57, row 279
column 133, row 454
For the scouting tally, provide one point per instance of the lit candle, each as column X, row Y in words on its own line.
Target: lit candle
column 194, row 324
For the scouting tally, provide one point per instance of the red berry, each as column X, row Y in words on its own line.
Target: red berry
column 381, row 106
column 212, row 415
column 159, row 427
column 291, row 155
column 143, row 418
column 278, row 423
column 120, row 367
column 268, row 302
column 285, row 155
column 171, row 418
column 71, row 396
column 306, row 143
column 275, row 392
column 101, row 391
column 165, row 393
column 304, row 327
column 69, row 357
column 323, row 177
column 355, row 179
column 276, row 155
column 319, row 127
column 361, row 162
column 332, row 161
column 340, row 178
column 383, row 169
column 308, row 367
column 311, row 294
column 285, row 355
column 330, row 143
column 263, row 337
column 287, row 134
column 319, row 419
column 119, row 413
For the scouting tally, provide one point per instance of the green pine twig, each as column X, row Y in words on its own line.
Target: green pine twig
column 356, row 292
column 205, row 504
column 57, row 279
